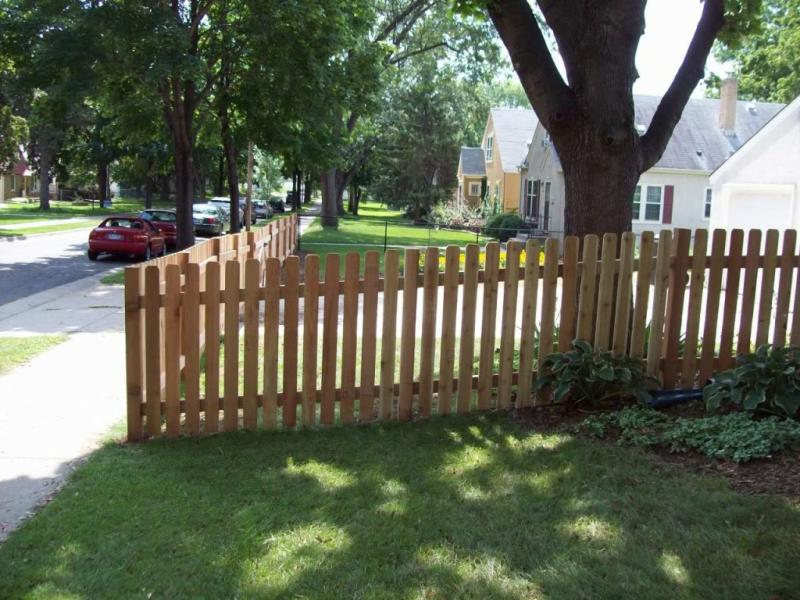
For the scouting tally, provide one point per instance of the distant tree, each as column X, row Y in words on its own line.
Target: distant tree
column 767, row 62
column 590, row 113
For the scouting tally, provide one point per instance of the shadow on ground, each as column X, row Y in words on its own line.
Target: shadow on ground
column 451, row 508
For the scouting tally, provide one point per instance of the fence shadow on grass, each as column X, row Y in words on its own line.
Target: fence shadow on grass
column 453, row 507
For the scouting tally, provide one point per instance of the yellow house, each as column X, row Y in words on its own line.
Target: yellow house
column 17, row 182
column 471, row 175
column 508, row 134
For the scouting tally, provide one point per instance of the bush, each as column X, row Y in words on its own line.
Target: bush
column 736, row 436
column 587, row 376
column 504, row 226
column 765, row 381
column 450, row 213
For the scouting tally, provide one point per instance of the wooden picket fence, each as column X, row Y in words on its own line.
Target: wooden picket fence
column 458, row 332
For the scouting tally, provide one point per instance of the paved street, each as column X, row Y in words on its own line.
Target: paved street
column 42, row 262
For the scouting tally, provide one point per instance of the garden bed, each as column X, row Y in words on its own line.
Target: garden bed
column 778, row 474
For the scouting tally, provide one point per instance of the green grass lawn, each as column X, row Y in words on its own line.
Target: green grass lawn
column 55, row 227
column 15, row 351
column 10, row 212
column 375, row 226
column 451, row 508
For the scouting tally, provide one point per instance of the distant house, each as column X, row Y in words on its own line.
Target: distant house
column 759, row 185
column 505, row 144
column 20, row 181
column 676, row 191
column 471, row 176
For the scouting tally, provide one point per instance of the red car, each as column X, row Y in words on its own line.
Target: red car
column 165, row 221
column 126, row 234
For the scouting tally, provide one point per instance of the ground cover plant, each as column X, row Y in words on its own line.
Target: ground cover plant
column 474, row 507
column 736, row 436
column 15, row 351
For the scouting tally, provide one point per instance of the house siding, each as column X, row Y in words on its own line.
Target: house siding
column 507, row 183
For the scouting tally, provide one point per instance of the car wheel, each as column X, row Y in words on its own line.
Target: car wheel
column 92, row 255
column 147, row 254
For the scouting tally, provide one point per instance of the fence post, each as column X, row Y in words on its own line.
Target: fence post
column 678, row 270
column 133, row 353
column 385, row 234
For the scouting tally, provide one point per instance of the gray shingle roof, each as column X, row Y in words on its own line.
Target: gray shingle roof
column 513, row 130
column 473, row 161
column 698, row 143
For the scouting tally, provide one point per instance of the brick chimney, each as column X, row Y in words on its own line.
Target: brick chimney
column 728, row 92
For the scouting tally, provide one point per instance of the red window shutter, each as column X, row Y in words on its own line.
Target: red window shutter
column 669, row 194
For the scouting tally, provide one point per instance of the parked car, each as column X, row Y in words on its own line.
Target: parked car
column 277, row 204
column 261, row 209
column 225, row 204
column 127, row 235
column 210, row 219
column 165, row 221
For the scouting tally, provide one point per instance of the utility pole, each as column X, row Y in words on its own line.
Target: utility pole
column 248, row 211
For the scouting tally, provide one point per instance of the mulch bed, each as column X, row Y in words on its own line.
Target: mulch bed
column 778, row 475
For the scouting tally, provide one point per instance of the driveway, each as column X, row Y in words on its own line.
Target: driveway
column 42, row 262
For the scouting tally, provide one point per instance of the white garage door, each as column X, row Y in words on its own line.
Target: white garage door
column 759, row 209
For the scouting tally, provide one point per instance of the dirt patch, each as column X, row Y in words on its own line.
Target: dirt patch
column 779, row 474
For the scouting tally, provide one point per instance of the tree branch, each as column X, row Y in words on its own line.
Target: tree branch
column 550, row 97
column 398, row 59
column 397, row 19
column 654, row 142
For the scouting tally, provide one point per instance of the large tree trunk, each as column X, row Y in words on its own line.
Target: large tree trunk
column 599, row 189
column 103, row 187
column 219, row 180
column 184, row 195
column 329, row 216
column 229, row 146
column 164, row 188
column 44, row 179
column 148, row 192
column 308, row 189
column 590, row 116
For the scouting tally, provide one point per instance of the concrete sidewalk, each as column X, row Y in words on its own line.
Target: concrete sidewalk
column 57, row 408
column 89, row 221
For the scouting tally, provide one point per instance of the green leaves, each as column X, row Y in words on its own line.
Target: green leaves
column 764, row 381
column 585, row 375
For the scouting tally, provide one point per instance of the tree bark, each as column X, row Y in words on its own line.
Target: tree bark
column 164, row 188
column 148, row 192
column 330, row 216
column 102, row 182
column 44, row 179
column 229, row 147
column 308, row 189
column 184, row 195
column 219, row 181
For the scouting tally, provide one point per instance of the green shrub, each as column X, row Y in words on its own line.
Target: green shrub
column 584, row 375
column 735, row 436
column 765, row 381
column 504, row 226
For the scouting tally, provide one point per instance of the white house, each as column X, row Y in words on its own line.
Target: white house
column 758, row 187
column 676, row 192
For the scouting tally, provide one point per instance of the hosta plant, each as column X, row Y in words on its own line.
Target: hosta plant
column 584, row 375
column 766, row 381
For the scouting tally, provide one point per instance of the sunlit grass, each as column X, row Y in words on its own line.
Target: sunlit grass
column 450, row 508
column 16, row 351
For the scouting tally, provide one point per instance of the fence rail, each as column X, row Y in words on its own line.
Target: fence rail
column 448, row 334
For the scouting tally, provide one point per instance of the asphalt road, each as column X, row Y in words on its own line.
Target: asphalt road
column 45, row 261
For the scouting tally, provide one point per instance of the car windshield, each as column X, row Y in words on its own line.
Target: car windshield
column 162, row 217
column 205, row 210
column 122, row 223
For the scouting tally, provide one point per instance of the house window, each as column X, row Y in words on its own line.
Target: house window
column 707, row 204
column 650, row 209
column 546, row 219
column 489, row 148
column 474, row 189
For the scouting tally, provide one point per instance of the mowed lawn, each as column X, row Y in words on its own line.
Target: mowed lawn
column 374, row 226
column 472, row 507
column 16, row 351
